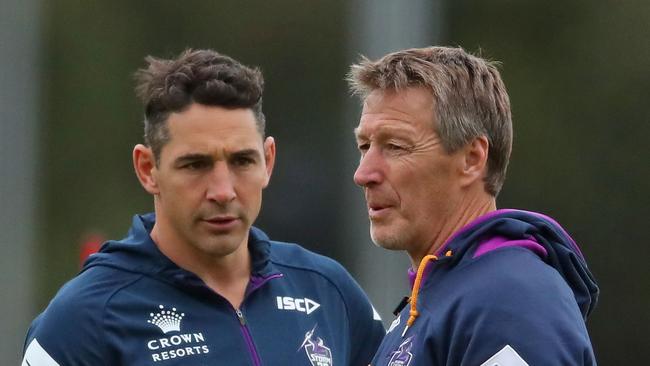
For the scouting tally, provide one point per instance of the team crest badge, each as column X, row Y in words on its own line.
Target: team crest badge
column 403, row 355
column 317, row 352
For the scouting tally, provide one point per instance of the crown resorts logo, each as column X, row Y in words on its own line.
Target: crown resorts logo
column 166, row 320
column 177, row 345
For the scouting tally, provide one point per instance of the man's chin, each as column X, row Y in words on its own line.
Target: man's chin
column 221, row 248
column 220, row 243
column 390, row 242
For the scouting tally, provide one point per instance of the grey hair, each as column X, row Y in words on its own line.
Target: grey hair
column 470, row 98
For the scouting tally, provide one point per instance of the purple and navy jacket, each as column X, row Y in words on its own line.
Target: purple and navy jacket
column 510, row 288
column 131, row 305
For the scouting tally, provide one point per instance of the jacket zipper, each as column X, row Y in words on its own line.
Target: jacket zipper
column 242, row 321
column 248, row 338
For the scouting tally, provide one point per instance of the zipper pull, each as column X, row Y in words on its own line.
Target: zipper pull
column 240, row 315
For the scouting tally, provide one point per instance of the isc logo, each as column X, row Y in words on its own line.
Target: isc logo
column 304, row 305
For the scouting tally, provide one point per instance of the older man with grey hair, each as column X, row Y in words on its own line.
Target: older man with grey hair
column 489, row 286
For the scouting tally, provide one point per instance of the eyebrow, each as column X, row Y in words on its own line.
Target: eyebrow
column 357, row 133
column 246, row 153
column 382, row 133
column 190, row 157
column 198, row 156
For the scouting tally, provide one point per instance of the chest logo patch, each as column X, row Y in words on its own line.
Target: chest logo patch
column 176, row 344
column 303, row 305
column 317, row 352
column 166, row 320
column 403, row 355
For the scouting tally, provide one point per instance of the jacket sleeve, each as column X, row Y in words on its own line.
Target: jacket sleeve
column 68, row 333
column 366, row 328
column 517, row 309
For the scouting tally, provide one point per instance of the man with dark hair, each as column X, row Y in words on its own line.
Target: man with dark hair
column 195, row 283
column 489, row 287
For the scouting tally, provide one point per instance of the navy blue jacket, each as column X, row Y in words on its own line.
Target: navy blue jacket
column 131, row 305
column 511, row 288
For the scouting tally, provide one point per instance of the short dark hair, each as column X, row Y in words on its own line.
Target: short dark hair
column 195, row 76
column 470, row 98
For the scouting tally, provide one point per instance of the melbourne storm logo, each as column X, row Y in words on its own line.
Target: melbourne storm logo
column 403, row 355
column 179, row 344
column 317, row 352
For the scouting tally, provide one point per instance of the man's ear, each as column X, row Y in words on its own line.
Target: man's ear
column 144, row 164
column 475, row 155
column 269, row 157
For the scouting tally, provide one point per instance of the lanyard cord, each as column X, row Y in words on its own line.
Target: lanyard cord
column 414, row 313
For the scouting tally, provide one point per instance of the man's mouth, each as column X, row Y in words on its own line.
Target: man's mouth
column 222, row 222
column 376, row 211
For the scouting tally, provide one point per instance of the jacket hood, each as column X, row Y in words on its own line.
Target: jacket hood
column 535, row 232
column 138, row 253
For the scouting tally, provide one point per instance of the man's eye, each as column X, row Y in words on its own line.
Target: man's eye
column 243, row 161
column 394, row 147
column 363, row 147
column 196, row 165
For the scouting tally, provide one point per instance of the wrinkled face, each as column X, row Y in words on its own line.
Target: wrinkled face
column 410, row 183
column 210, row 178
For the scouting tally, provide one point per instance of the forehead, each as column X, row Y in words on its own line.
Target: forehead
column 202, row 128
column 405, row 111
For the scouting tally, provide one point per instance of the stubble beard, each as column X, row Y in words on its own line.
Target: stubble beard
column 390, row 241
column 218, row 244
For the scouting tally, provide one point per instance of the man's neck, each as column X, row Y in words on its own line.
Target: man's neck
column 229, row 280
column 226, row 275
column 472, row 208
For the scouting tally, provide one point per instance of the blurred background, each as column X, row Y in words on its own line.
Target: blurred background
column 578, row 74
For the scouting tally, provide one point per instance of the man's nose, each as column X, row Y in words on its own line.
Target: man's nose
column 221, row 187
column 369, row 172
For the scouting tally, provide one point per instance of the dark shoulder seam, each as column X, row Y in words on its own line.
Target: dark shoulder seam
column 108, row 299
column 320, row 273
column 305, row 268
